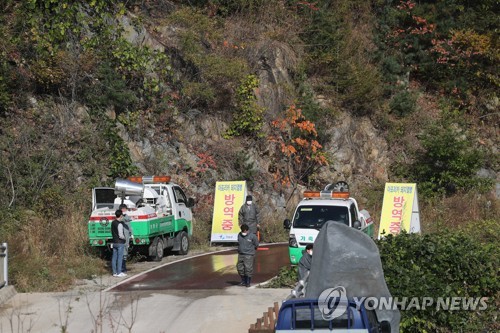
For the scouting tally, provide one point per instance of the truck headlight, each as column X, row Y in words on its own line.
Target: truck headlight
column 292, row 242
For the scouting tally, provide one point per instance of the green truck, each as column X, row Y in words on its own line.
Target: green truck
column 160, row 212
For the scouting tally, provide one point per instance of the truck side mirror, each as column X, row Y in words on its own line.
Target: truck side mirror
column 190, row 203
column 287, row 224
column 356, row 225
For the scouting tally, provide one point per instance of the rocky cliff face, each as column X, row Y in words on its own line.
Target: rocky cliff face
column 359, row 154
column 191, row 147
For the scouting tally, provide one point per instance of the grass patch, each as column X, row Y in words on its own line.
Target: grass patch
column 287, row 278
column 49, row 254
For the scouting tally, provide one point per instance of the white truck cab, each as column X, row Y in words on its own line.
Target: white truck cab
column 316, row 208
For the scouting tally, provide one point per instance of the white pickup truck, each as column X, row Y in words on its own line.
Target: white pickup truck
column 332, row 204
column 160, row 211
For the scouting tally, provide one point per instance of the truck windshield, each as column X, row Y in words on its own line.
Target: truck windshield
column 104, row 197
column 315, row 216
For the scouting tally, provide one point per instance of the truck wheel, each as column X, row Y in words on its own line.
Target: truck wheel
column 184, row 243
column 158, row 253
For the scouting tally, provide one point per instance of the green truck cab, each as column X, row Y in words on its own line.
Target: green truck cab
column 160, row 212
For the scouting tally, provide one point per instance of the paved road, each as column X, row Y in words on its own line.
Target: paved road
column 214, row 271
column 194, row 299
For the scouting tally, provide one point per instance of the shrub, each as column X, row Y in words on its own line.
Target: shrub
column 312, row 110
column 64, row 40
column 392, row 71
column 299, row 154
column 447, row 162
column 5, row 93
column 248, row 117
column 449, row 264
column 287, row 278
column 53, row 202
column 28, row 165
column 230, row 7
column 111, row 90
column 338, row 49
column 202, row 225
column 244, row 168
column 198, row 93
column 403, row 103
column 4, row 97
column 470, row 211
column 121, row 164
column 208, row 65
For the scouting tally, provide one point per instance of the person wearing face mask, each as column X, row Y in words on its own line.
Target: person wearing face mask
column 249, row 215
column 247, row 245
column 304, row 265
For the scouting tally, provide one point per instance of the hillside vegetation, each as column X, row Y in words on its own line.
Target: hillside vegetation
column 211, row 90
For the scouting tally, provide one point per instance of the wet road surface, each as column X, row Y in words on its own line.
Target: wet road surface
column 211, row 271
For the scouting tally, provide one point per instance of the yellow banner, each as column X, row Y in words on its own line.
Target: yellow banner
column 229, row 197
column 397, row 208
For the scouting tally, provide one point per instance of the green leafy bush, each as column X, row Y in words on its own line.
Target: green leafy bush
column 53, row 202
column 320, row 115
column 244, row 168
column 120, row 162
column 4, row 95
column 286, row 278
column 449, row 264
column 447, row 162
column 248, row 117
column 338, row 53
column 403, row 103
column 198, row 93
column 211, row 72
column 392, row 71
column 216, row 78
column 111, row 90
column 62, row 45
column 28, row 166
